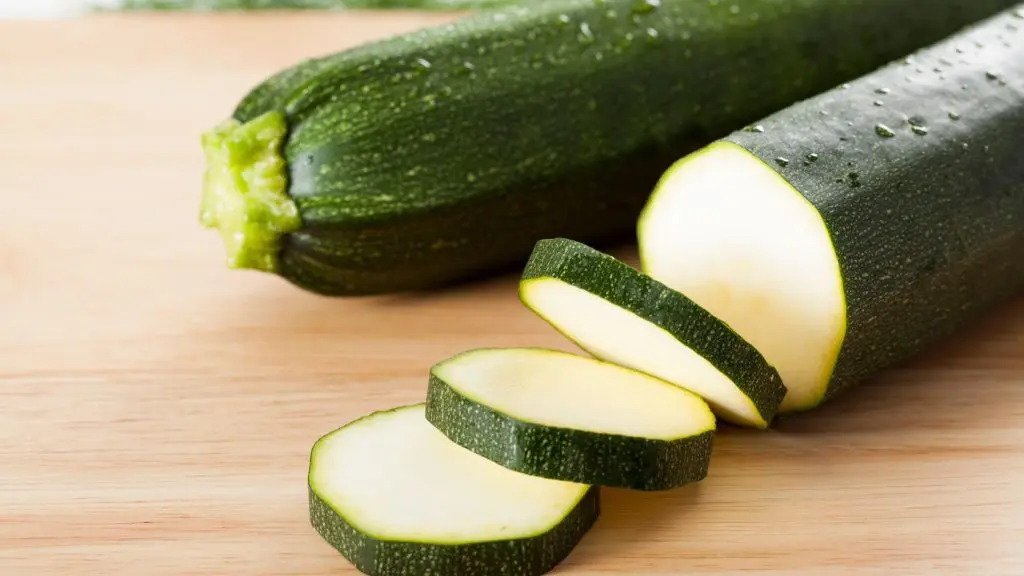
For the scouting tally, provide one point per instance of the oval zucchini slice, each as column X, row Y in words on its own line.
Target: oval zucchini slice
column 397, row 498
column 559, row 415
column 621, row 315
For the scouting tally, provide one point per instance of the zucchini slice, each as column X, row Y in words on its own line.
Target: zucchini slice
column 558, row 415
column 397, row 498
column 621, row 315
column 846, row 233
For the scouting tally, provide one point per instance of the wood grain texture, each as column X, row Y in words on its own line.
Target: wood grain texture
column 157, row 410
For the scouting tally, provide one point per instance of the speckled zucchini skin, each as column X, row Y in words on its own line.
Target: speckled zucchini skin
column 694, row 327
column 567, row 454
column 522, row 557
column 444, row 154
column 919, row 176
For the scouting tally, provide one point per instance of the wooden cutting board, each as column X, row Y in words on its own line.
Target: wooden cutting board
column 157, row 410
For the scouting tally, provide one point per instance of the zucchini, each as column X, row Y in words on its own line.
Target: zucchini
column 396, row 498
column 620, row 315
column 558, row 415
column 444, row 154
column 848, row 232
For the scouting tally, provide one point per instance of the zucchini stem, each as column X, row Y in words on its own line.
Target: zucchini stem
column 245, row 190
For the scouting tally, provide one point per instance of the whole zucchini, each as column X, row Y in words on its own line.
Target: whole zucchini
column 444, row 154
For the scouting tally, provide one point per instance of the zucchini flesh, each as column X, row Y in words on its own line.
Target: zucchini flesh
column 850, row 231
column 558, row 415
column 444, row 154
column 620, row 315
column 397, row 498
column 731, row 234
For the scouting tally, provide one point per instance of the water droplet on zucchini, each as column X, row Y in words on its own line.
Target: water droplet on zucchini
column 812, row 157
column 919, row 130
column 879, row 103
column 652, row 33
column 586, row 35
column 991, row 75
column 782, row 161
column 423, row 62
column 954, row 116
column 758, row 128
column 646, row 6
column 884, row 131
column 882, row 90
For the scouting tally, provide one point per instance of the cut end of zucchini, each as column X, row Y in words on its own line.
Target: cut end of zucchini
column 621, row 315
column 394, row 496
column 245, row 190
column 732, row 234
column 563, row 416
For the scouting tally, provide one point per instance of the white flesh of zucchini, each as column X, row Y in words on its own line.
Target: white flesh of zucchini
column 558, row 389
column 730, row 233
column 395, row 477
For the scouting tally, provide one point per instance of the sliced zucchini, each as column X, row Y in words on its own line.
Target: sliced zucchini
column 848, row 232
column 621, row 315
column 568, row 417
column 397, row 498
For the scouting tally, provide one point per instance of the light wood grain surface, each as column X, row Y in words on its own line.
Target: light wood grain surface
column 157, row 410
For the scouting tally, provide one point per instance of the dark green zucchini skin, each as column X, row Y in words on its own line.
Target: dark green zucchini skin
column 567, row 454
column 923, row 193
column 444, row 154
column 532, row 556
